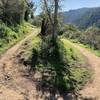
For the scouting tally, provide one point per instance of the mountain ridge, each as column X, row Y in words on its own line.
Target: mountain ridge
column 82, row 17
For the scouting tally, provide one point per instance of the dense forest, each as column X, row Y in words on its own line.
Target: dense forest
column 47, row 56
column 14, row 15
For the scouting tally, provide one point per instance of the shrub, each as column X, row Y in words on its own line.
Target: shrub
column 9, row 35
column 57, row 62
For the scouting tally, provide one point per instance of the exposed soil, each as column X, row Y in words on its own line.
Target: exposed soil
column 16, row 83
column 92, row 90
column 13, row 83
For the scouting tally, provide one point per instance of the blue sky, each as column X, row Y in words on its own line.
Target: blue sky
column 73, row 4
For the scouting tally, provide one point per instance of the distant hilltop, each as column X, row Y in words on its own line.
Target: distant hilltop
column 83, row 17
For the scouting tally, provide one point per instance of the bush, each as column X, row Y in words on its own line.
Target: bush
column 6, row 33
column 9, row 35
column 57, row 62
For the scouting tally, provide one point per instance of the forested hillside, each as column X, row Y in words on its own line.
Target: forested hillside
column 83, row 18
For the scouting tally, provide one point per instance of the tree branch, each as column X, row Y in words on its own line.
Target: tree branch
column 48, row 12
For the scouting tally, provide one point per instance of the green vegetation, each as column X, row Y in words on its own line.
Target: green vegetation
column 96, row 52
column 14, row 12
column 63, row 68
column 13, row 27
column 90, row 38
column 78, row 64
column 80, row 58
column 10, row 35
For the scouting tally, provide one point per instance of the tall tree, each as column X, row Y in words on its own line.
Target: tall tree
column 51, row 9
column 12, row 11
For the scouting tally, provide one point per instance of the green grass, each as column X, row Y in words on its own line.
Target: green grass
column 10, row 35
column 78, row 55
column 96, row 52
column 76, row 72
column 80, row 71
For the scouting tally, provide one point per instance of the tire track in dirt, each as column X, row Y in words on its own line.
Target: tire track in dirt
column 12, row 85
column 92, row 89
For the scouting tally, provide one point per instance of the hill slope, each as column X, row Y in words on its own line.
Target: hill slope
column 83, row 17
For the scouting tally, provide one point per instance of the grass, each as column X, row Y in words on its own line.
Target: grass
column 80, row 71
column 96, row 52
column 78, row 55
column 10, row 35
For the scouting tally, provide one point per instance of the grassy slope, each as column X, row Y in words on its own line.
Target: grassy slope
column 96, row 52
column 68, row 45
column 80, row 71
column 12, row 35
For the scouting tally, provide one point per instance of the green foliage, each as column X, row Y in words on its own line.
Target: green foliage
column 14, row 12
column 71, row 31
column 79, row 73
column 60, row 64
column 90, row 37
column 6, row 33
column 23, row 28
column 37, row 21
column 67, row 28
column 29, row 10
column 9, row 35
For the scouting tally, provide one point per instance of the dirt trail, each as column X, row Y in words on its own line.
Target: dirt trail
column 12, row 85
column 92, row 90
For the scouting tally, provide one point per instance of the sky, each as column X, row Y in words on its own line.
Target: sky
column 72, row 4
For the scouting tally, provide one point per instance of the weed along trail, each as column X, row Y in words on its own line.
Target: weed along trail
column 12, row 85
column 92, row 89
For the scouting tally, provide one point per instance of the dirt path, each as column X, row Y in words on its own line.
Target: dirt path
column 92, row 90
column 12, row 85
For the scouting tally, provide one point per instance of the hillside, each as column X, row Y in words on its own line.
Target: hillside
column 83, row 17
